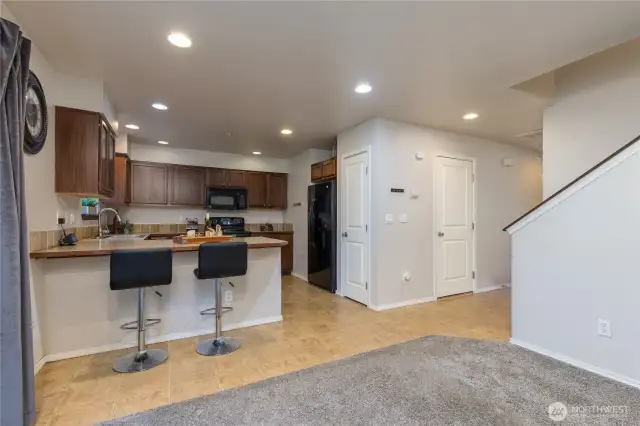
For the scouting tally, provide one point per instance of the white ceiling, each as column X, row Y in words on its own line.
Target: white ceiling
column 256, row 67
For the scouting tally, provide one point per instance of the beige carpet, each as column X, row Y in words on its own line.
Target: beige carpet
column 431, row 381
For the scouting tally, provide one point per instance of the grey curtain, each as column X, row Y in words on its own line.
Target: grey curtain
column 17, row 398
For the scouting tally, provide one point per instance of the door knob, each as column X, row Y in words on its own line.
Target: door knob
column 440, row 234
column 344, row 234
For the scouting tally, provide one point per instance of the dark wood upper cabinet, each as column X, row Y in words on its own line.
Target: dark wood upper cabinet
column 316, row 171
column 257, row 189
column 122, row 178
column 236, row 178
column 85, row 153
column 178, row 185
column 216, row 177
column 226, row 178
column 186, row 186
column 324, row 170
column 277, row 191
column 149, row 183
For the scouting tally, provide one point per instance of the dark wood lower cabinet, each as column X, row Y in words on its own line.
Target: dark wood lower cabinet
column 286, row 256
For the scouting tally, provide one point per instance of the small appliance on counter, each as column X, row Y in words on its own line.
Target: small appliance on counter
column 192, row 226
column 66, row 239
column 231, row 226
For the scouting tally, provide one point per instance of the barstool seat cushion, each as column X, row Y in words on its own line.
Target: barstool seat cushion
column 140, row 268
column 221, row 260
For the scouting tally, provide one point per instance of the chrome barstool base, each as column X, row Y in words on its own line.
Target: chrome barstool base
column 136, row 361
column 220, row 346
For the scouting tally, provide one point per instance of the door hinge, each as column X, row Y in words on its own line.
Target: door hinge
column 473, row 177
column 366, row 170
column 473, row 275
column 366, row 285
column 366, row 228
column 473, row 226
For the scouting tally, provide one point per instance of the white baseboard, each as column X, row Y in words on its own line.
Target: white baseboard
column 401, row 304
column 293, row 274
column 577, row 363
column 159, row 339
column 39, row 365
column 485, row 289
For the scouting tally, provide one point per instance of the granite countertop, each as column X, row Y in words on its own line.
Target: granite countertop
column 272, row 232
column 91, row 247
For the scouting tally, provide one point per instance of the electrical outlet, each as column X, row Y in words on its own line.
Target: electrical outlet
column 388, row 218
column 604, row 328
column 228, row 296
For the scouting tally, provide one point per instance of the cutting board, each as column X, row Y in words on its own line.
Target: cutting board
column 184, row 239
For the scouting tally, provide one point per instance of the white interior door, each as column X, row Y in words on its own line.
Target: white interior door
column 454, row 226
column 355, row 219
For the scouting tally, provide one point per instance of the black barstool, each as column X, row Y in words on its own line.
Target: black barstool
column 216, row 261
column 140, row 269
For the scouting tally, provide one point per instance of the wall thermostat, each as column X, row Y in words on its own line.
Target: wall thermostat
column 397, row 189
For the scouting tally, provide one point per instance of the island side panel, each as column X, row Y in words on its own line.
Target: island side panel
column 83, row 316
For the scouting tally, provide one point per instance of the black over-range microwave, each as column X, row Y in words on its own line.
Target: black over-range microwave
column 226, row 199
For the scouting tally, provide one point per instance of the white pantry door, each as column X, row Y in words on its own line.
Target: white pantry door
column 454, row 226
column 355, row 219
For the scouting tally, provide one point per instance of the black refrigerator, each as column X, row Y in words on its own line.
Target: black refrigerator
column 322, row 224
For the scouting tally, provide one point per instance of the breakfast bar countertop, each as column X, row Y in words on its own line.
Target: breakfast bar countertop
column 94, row 247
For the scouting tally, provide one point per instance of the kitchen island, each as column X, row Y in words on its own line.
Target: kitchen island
column 80, row 315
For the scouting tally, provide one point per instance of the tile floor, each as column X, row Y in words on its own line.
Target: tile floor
column 318, row 327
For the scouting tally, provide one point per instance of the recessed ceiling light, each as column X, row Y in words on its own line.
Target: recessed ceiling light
column 363, row 88
column 132, row 126
column 286, row 131
column 160, row 106
column 470, row 116
column 163, row 142
column 257, row 153
column 179, row 39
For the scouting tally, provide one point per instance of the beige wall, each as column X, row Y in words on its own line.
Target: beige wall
column 503, row 193
column 594, row 113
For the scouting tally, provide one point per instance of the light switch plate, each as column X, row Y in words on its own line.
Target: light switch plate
column 388, row 218
column 403, row 218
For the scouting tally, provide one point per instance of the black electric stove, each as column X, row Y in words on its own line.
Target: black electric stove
column 231, row 226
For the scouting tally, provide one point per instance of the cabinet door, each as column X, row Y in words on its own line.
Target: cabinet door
column 148, row 183
column 329, row 168
column 186, row 186
column 216, row 177
column 257, row 189
column 287, row 253
column 277, row 191
column 106, row 161
column 236, row 178
column 121, row 193
column 316, row 171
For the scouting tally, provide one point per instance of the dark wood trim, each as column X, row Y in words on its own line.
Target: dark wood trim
column 564, row 188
